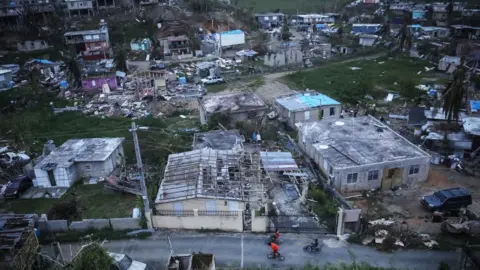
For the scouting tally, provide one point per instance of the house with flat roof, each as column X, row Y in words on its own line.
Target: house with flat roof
column 79, row 158
column 91, row 44
column 362, row 153
column 306, row 107
column 366, row 28
column 270, row 19
column 239, row 106
column 218, row 140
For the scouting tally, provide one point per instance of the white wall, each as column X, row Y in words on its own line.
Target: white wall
column 64, row 177
column 232, row 39
column 224, row 223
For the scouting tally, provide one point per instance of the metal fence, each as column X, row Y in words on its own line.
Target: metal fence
column 219, row 213
column 296, row 224
column 184, row 213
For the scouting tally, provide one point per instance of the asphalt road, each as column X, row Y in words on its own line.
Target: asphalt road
column 249, row 250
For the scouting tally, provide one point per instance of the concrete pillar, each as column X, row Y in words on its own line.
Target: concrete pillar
column 340, row 222
column 150, row 220
column 195, row 212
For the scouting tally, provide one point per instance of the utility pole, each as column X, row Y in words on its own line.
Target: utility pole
column 146, row 201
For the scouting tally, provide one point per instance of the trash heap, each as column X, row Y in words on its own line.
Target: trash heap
column 389, row 235
column 116, row 105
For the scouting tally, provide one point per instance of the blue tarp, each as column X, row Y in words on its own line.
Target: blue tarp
column 321, row 26
column 475, row 105
column 43, row 61
column 233, row 32
column 182, row 80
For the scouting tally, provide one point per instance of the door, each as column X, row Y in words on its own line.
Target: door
column 51, row 178
column 178, row 208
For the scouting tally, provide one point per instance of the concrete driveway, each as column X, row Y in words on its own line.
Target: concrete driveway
column 249, row 250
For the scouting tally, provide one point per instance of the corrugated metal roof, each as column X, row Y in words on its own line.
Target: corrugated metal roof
column 306, row 101
column 278, row 161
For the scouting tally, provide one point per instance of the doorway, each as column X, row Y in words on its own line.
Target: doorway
column 392, row 177
column 51, row 178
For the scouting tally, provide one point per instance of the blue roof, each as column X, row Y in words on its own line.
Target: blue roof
column 233, row 32
column 306, row 101
column 475, row 105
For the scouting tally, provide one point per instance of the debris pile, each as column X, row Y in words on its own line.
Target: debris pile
column 116, row 105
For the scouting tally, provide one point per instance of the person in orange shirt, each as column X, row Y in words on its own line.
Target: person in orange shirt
column 274, row 249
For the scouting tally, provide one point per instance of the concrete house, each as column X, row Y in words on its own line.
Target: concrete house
column 449, row 63
column 176, row 47
column 219, row 140
column 289, row 56
column 91, row 44
column 79, row 7
column 239, row 106
column 203, row 188
column 306, row 107
column 362, row 153
column 79, row 158
column 138, row 45
column 436, row 32
column 366, row 28
column 270, row 19
column 32, row 45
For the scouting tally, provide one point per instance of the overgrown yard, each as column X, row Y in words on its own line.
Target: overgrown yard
column 92, row 202
column 350, row 82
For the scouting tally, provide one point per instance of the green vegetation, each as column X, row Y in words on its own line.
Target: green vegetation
column 342, row 82
column 324, row 206
column 21, row 58
column 91, row 234
column 93, row 257
column 215, row 88
column 91, row 201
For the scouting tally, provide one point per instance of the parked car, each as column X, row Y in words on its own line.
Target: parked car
column 123, row 262
column 212, row 80
column 447, row 199
column 11, row 158
column 17, row 187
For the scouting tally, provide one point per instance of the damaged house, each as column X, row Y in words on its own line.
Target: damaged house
column 306, row 107
column 206, row 189
column 362, row 153
column 79, row 158
column 238, row 106
column 91, row 44
column 218, row 140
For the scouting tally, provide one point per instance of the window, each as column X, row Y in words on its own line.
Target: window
column 373, row 175
column 352, row 178
column 274, row 18
column 87, row 167
column 330, row 171
column 266, row 18
column 96, row 36
column 88, row 37
column 332, row 111
column 414, row 169
column 307, row 115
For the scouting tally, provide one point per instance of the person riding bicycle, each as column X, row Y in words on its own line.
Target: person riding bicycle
column 277, row 234
column 314, row 244
column 275, row 237
column 274, row 249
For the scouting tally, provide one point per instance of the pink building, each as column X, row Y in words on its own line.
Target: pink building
column 96, row 83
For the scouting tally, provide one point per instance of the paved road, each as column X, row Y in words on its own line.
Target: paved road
column 248, row 250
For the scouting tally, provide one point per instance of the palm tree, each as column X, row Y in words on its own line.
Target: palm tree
column 405, row 38
column 455, row 93
column 73, row 70
column 121, row 60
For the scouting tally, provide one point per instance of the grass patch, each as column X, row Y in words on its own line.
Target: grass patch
column 92, row 199
column 21, row 58
column 215, row 88
column 340, row 82
column 324, row 206
column 256, row 82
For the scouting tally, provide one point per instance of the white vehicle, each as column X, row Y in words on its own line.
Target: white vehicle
column 11, row 158
column 123, row 262
column 212, row 80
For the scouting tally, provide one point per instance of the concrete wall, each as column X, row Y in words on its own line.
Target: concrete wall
column 32, row 45
column 259, row 223
column 223, row 223
column 200, row 205
column 89, row 224
column 125, row 223
column 288, row 57
column 53, row 225
column 64, row 177
column 297, row 117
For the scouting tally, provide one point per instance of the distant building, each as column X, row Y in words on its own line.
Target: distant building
column 288, row 56
column 435, row 32
column 91, row 44
column 270, row 19
column 362, row 153
column 79, row 158
column 306, row 107
column 79, row 7
column 314, row 19
column 144, row 45
column 218, row 140
column 366, row 28
column 32, row 45
column 465, row 32
column 240, row 106
column 5, row 78
column 176, row 47
column 449, row 63
column 367, row 40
